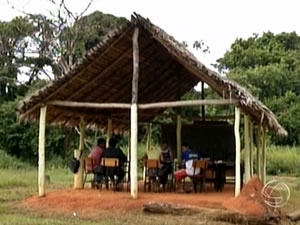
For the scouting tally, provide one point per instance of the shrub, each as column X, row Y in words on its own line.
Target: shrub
column 10, row 162
column 283, row 160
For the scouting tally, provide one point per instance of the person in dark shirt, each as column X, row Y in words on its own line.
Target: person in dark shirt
column 166, row 161
column 115, row 152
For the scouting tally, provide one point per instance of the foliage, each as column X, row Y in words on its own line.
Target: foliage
column 34, row 42
column 268, row 66
column 21, row 139
column 283, row 161
column 10, row 162
column 12, row 46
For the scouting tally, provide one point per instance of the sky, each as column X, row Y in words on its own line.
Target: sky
column 216, row 22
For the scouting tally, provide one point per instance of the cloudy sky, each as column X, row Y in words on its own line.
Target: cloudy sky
column 217, row 22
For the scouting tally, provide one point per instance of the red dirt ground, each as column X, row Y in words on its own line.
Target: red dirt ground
column 89, row 202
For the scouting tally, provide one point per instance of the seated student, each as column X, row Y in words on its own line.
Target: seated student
column 115, row 152
column 166, row 162
column 187, row 157
column 96, row 154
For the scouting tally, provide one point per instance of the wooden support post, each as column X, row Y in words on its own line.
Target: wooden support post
column 134, row 116
column 109, row 131
column 41, row 166
column 202, row 98
column 264, row 158
column 178, row 136
column 247, row 148
column 128, row 148
column 237, row 152
column 78, row 177
column 258, row 152
column 149, row 137
column 251, row 147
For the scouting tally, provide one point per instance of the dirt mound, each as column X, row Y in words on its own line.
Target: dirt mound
column 250, row 201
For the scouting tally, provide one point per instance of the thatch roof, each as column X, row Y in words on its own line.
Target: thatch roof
column 167, row 71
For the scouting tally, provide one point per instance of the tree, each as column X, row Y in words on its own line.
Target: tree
column 269, row 66
column 36, row 41
column 12, row 47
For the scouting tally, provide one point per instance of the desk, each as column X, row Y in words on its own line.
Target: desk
column 222, row 170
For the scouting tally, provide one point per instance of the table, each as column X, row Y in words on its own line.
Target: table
column 222, row 170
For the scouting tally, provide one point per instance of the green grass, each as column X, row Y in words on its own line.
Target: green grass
column 16, row 185
column 21, row 182
column 294, row 186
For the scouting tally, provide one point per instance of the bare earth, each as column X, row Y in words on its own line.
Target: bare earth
column 89, row 202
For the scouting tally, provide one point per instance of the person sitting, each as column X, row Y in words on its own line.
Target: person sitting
column 115, row 152
column 187, row 157
column 96, row 154
column 166, row 162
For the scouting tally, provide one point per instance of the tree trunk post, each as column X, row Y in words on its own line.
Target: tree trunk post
column 178, row 136
column 237, row 152
column 258, row 152
column 202, row 98
column 134, row 117
column 251, row 147
column 149, row 137
column 78, row 177
column 109, row 131
column 41, row 166
column 263, row 155
column 247, row 148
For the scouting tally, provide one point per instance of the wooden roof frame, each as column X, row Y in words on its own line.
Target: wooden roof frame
column 167, row 71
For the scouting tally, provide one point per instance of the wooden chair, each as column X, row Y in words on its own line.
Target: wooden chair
column 89, row 169
column 210, row 175
column 151, row 173
column 199, row 177
column 109, row 166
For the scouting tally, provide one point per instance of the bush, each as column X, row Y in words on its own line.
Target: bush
column 283, row 160
column 10, row 162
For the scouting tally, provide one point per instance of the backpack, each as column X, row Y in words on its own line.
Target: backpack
column 74, row 163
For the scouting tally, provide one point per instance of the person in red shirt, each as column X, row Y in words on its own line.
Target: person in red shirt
column 96, row 154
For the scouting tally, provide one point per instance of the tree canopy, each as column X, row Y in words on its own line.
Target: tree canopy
column 35, row 45
column 269, row 65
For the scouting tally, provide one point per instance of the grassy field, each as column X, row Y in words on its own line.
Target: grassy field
column 16, row 185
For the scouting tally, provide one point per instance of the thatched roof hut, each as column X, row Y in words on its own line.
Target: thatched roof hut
column 130, row 77
column 167, row 71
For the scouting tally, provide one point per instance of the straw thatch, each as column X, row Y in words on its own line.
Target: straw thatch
column 167, row 71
